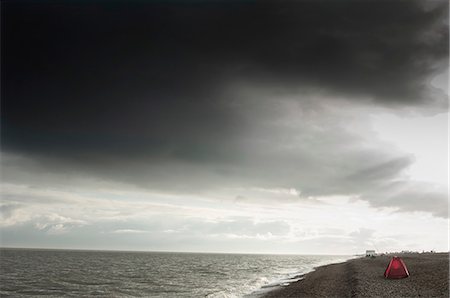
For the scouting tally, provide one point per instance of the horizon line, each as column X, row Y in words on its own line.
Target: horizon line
column 208, row 252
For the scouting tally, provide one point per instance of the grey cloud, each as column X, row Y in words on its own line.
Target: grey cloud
column 411, row 196
column 315, row 154
column 200, row 96
column 383, row 171
column 247, row 227
column 362, row 236
column 7, row 209
column 154, row 233
column 166, row 83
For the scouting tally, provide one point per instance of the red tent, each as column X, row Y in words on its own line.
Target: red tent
column 396, row 269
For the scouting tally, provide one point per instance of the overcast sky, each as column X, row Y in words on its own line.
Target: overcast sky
column 225, row 126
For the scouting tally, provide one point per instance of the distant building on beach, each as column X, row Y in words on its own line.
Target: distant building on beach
column 370, row 253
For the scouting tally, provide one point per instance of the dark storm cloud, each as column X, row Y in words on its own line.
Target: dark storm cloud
column 74, row 70
column 156, row 94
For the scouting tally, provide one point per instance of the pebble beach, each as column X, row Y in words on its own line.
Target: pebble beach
column 363, row 277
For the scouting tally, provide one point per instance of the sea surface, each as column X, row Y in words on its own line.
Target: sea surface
column 76, row 273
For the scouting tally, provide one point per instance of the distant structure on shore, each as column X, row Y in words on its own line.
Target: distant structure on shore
column 370, row 253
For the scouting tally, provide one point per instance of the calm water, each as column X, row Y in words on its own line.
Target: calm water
column 125, row 274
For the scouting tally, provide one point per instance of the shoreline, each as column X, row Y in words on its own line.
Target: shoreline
column 283, row 282
column 363, row 277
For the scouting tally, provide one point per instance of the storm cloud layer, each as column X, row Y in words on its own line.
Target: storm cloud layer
column 205, row 95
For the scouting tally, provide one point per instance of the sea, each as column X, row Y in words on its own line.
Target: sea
column 78, row 273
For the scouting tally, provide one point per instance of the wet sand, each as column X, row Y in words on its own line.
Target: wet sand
column 429, row 277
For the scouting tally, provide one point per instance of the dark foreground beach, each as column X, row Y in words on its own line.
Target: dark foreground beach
column 429, row 277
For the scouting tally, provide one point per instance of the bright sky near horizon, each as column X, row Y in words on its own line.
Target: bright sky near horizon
column 312, row 129
column 425, row 138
